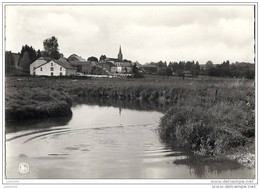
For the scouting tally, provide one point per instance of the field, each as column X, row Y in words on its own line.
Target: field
column 213, row 117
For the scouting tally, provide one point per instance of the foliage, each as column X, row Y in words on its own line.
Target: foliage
column 27, row 56
column 102, row 58
column 179, row 68
column 211, row 116
column 238, row 70
column 30, row 103
column 92, row 58
column 51, row 48
column 25, row 62
column 211, row 121
column 136, row 72
column 9, row 63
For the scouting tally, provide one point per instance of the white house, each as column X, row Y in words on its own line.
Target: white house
column 122, row 67
column 45, row 67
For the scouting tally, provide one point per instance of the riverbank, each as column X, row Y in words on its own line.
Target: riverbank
column 24, row 102
column 210, row 116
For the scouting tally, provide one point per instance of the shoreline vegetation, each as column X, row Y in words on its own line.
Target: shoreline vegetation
column 213, row 117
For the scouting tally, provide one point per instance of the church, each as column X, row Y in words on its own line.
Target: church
column 119, row 65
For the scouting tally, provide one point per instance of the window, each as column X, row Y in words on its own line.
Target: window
column 60, row 68
column 41, row 69
column 60, row 73
column 51, row 73
column 51, row 64
column 52, row 68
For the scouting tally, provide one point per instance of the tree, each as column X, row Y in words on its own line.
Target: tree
column 38, row 54
column 51, row 48
column 174, row 66
column 27, row 56
column 55, row 55
column 136, row 72
column 9, row 63
column 102, row 58
column 209, row 65
column 25, row 62
column 195, row 70
column 92, row 58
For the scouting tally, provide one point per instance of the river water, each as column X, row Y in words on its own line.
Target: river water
column 104, row 142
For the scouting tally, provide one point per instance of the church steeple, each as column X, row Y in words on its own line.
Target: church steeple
column 120, row 55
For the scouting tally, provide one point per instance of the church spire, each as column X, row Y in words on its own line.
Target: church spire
column 120, row 55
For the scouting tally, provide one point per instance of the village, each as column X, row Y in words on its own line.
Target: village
column 75, row 65
column 51, row 63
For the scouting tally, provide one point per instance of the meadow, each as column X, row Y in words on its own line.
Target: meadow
column 212, row 117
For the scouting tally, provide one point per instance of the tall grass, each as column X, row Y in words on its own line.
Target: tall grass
column 212, row 121
column 28, row 103
column 210, row 116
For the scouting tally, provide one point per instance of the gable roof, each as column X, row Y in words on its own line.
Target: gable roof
column 40, row 61
column 75, row 57
column 62, row 62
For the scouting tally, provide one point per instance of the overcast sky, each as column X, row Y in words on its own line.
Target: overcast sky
column 146, row 33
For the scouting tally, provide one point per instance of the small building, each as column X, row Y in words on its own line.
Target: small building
column 43, row 67
column 81, row 65
column 117, row 65
column 122, row 67
column 106, row 65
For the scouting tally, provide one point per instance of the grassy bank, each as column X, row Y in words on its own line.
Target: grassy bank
column 214, row 121
column 210, row 116
column 24, row 103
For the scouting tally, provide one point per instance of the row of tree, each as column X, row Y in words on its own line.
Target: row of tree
column 174, row 68
column 237, row 70
column 191, row 68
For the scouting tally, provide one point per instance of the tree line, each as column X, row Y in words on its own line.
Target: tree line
column 192, row 68
column 235, row 70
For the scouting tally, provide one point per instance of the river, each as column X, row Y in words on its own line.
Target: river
column 104, row 141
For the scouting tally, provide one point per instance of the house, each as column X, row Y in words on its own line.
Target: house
column 122, row 67
column 46, row 67
column 117, row 65
column 106, row 65
column 81, row 64
column 37, row 63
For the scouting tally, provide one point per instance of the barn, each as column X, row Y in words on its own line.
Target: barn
column 45, row 67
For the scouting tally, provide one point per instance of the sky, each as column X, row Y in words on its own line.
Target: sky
column 145, row 33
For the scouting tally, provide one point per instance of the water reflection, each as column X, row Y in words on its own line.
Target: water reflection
column 120, row 110
column 106, row 139
column 205, row 168
column 15, row 126
column 123, row 104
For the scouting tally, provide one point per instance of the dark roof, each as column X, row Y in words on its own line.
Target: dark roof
column 106, row 63
column 125, row 64
column 112, row 59
column 64, row 63
column 45, row 58
column 77, row 63
column 75, row 57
